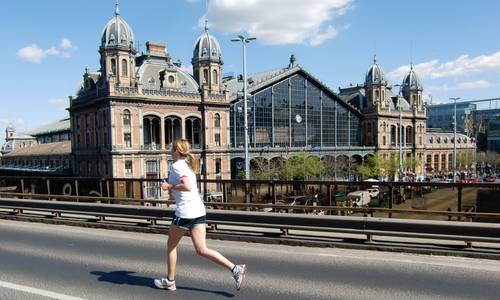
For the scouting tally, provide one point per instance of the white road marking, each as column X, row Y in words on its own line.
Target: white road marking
column 36, row 291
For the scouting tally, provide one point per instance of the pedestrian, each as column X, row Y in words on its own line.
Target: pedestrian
column 190, row 215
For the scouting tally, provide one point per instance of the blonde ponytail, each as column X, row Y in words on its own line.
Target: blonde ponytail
column 182, row 146
column 193, row 162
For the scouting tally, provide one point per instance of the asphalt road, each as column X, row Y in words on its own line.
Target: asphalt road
column 39, row 261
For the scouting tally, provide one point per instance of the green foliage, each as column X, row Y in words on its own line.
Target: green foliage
column 303, row 166
column 411, row 163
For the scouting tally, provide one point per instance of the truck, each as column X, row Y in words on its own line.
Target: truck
column 359, row 198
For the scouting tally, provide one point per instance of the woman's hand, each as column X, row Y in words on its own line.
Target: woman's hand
column 165, row 186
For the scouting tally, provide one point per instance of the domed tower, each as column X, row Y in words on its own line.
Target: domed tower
column 117, row 51
column 412, row 89
column 207, row 62
column 375, row 85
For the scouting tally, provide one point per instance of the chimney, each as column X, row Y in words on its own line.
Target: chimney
column 156, row 49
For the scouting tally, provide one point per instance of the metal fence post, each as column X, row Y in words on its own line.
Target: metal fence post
column 224, row 192
column 48, row 186
column 459, row 204
column 273, row 192
column 391, row 199
column 76, row 189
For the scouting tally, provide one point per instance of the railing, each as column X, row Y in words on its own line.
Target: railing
column 370, row 227
column 479, row 202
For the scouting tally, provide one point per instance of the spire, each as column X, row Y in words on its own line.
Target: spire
column 292, row 61
column 411, row 66
column 117, row 8
column 374, row 58
column 206, row 25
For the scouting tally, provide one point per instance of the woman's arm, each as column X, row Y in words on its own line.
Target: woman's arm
column 184, row 185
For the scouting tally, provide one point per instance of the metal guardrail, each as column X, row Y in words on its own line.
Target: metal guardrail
column 314, row 209
column 443, row 230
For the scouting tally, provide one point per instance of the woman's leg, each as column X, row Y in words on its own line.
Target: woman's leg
column 198, row 234
column 174, row 236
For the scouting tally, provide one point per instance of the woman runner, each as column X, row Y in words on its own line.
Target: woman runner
column 189, row 215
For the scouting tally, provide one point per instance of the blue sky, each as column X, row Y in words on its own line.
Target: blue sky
column 454, row 45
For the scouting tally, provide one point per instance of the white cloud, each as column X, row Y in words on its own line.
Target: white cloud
column 462, row 66
column 33, row 53
column 66, row 44
column 278, row 22
column 4, row 121
column 479, row 84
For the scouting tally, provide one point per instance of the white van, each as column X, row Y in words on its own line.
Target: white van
column 359, row 198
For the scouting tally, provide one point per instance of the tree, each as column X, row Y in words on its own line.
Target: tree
column 302, row 166
column 370, row 168
column 411, row 163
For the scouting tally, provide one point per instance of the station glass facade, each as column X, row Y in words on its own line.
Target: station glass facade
column 295, row 112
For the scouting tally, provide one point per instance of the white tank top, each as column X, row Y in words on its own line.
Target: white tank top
column 188, row 203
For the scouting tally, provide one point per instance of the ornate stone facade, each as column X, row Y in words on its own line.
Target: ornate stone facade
column 395, row 123
column 126, row 115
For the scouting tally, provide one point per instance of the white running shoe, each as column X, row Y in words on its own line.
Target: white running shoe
column 165, row 284
column 239, row 273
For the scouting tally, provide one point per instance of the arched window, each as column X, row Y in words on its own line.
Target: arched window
column 172, row 129
column 126, row 118
column 217, row 129
column 205, row 76
column 124, row 67
column 393, row 135
column 215, row 77
column 217, row 121
column 151, row 132
column 113, row 66
column 193, row 132
column 409, row 136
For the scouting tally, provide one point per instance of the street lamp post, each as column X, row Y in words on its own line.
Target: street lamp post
column 244, row 40
column 455, row 137
column 400, row 132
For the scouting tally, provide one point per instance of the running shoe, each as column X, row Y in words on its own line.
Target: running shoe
column 239, row 273
column 165, row 284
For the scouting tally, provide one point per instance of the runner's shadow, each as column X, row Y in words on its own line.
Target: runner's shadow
column 125, row 277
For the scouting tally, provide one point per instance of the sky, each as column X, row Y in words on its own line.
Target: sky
column 453, row 45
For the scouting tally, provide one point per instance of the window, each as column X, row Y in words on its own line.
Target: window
column 128, row 167
column 215, row 77
column 171, row 79
column 113, row 66
column 205, row 76
column 393, row 135
column 217, row 121
column 217, row 139
column 106, row 169
column 124, row 67
column 127, row 138
column 383, row 140
column 218, row 166
column 105, row 142
column 126, row 118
